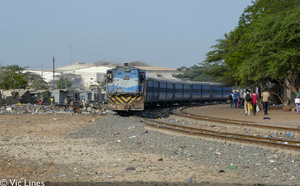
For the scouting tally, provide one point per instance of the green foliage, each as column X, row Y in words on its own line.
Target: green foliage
column 11, row 77
column 274, row 44
column 63, row 83
column 194, row 73
column 35, row 81
column 264, row 46
column 15, row 68
column 138, row 63
column 67, row 81
column 102, row 85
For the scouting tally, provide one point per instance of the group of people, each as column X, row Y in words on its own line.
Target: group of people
column 247, row 99
column 298, row 104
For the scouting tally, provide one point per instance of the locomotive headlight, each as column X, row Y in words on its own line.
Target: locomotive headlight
column 126, row 70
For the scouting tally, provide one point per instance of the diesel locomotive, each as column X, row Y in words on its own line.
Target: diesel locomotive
column 129, row 89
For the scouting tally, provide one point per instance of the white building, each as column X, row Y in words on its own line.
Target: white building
column 92, row 74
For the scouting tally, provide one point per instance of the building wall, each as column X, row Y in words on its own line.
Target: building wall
column 92, row 74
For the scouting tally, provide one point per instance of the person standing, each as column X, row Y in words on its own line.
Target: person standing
column 265, row 99
column 298, row 104
column 52, row 100
column 66, row 103
column 254, row 101
column 231, row 99
column 83, row 101
column 248, row 100
column 242, row 99
column 239, row 100
column 235, row 98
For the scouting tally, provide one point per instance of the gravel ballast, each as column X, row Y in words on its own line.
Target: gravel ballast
column 248, row 164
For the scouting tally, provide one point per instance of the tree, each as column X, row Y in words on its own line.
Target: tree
column 63, row 83
column 35, row 81
column 104, row 63
column 264, row 47
column 76, row 80
column 138, row 63
column 70, row 81
column 11, row 77
column 275, row 50
column 102, row 85
column 182, row 68
column 194, row 73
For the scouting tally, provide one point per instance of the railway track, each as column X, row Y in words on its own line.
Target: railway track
column 182, row 113
column 258, row 140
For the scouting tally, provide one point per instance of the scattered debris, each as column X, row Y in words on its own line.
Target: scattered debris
column 130, row 168
column 219, row 152
column 50, row 109
column 62, row 175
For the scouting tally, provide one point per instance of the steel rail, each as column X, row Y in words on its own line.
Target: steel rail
column 233, row 122
column 222, row 135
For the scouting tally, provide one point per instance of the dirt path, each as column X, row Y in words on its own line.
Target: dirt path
column 277, row 115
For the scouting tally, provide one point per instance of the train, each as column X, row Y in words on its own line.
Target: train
column 129, row 89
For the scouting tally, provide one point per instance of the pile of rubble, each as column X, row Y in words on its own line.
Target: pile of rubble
column 50, row 109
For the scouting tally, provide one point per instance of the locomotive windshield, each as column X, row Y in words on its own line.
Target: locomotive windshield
column 110, row 76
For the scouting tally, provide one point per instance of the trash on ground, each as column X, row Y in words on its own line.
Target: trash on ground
column 219, row 152
column 130, row 168
column 62, row 175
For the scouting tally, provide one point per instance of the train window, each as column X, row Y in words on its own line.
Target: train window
column 125, row 77
column 109, row 77
column 142, row 77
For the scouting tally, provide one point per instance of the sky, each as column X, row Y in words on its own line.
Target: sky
column 167, row 33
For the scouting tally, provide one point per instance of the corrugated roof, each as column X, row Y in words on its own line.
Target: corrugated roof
column 37, row 91
column 156, row 68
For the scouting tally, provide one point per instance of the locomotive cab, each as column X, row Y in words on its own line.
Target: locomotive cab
column 125, row 88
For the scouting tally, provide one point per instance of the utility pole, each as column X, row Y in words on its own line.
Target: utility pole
column 53, row 73
column 70, row 54
column 42, row 72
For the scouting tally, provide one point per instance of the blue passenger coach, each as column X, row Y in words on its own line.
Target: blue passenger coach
column 129, row 89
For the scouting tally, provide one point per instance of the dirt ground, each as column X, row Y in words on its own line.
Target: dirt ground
column 276, row 114
column 36, row 148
